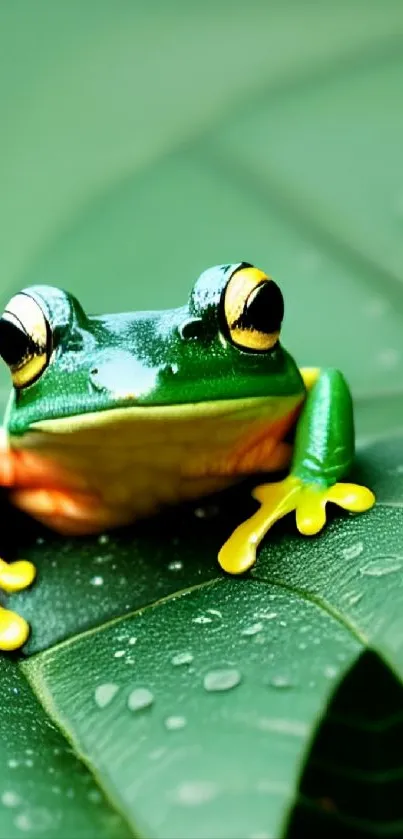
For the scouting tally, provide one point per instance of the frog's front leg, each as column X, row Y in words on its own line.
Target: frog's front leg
column 14, row 576
column 323, row 453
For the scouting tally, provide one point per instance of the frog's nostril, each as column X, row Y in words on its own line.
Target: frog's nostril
column 191, row 329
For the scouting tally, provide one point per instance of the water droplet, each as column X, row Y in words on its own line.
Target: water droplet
column 302, row 645
column 353, row 551
column 12, row 763
column 352, row 597
column 40, row 540
column 37, row 819
column 29, row 762
column 281, row 681
column 192, row 793
column 175, row 723
column 283, row 623
column 378, row 568
column 176, row 565
column 97, row 581
column 217, row 680
column 331, row 672
column 105, row 693
column 103, row 539
column 266, row 616
column 253, row 629
column 10, row 799
column 202, row 619
column 132, row 641
column 119, row 653
column 140, row 698
column 182, row 658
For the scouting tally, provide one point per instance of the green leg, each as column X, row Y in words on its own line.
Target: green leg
column 323, row 453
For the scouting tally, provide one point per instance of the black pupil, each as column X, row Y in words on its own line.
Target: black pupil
column 263, row 310
column 15, row 345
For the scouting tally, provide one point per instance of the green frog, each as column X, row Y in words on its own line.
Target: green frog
column 113, row 417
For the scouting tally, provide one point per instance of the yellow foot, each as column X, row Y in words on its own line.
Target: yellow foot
column 308, row 500
column 16, row 576
column 14, row 630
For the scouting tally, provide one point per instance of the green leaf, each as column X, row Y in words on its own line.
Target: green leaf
column 44, row 787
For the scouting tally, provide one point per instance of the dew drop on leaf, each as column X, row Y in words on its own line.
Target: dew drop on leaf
column 182, row 658
column 353, row 551
column 175, row 723
column 176, row 565
column 218, row 680
column 192, row 793
column 380, row 568
column 140, row 698
column 10, row 799
column 253, row 629
column 331, row 672
column 105, row 693
column 281, row 681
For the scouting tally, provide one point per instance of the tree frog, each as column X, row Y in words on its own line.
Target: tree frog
column 112, row 417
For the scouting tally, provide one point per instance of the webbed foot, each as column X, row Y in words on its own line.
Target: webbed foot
column 277, row 499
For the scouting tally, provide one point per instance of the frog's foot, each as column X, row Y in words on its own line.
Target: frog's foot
column 15, row 576
column 14, row 630
column 308, row 500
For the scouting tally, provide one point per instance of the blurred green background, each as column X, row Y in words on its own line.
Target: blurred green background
column 142, row 141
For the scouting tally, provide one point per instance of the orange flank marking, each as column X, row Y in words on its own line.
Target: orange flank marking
column 71, row 514
column 266, row 449
column 23, row 468
column 263, row 450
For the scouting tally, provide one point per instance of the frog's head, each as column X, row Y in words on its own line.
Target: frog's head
column 223, row 345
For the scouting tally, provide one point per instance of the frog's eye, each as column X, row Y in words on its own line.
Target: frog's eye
column 25, row 339
column 253, row 310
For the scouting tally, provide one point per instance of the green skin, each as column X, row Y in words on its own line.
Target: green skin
column 180, row 356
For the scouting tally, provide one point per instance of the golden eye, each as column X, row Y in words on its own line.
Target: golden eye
column 253, row 310
column 25, row 339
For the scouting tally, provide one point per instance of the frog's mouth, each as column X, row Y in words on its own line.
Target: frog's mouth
column 179, row 415
column 213, row 438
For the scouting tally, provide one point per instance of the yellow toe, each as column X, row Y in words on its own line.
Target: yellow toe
column 311, row 512
column 14, row 630
column 17, row 575
column 352, row 497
